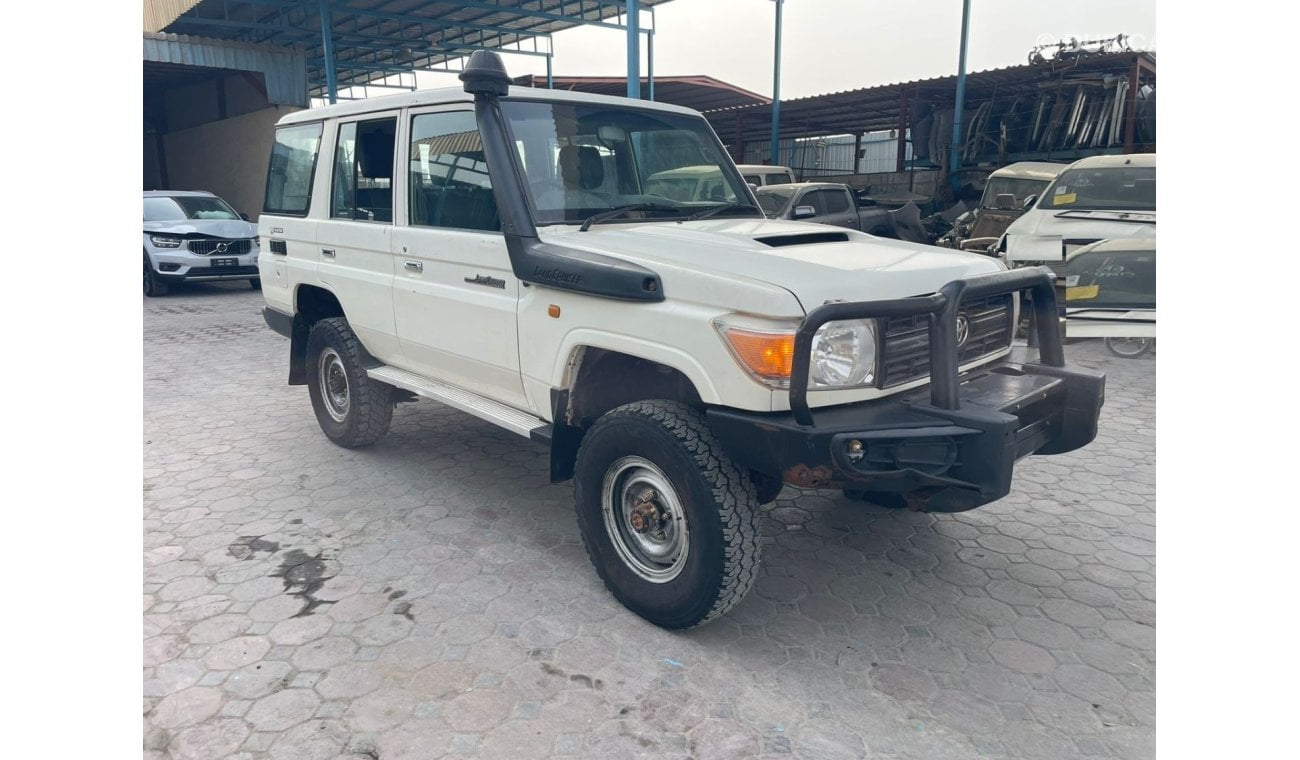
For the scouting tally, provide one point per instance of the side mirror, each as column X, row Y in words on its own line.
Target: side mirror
column 752, row 186
column 1029, row 202
column 803, row 212
column 244, row 216
column 1005, row 201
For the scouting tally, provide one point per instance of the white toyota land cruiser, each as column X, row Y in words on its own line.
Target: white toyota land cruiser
column 494, row 249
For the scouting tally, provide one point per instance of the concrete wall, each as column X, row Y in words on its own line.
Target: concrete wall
column 227, row 157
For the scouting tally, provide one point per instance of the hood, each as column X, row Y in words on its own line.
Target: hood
column 222, row 228
column 1085, row 225
column 815, row 262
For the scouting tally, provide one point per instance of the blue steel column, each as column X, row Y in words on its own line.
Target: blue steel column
column 633, row 49
column 954, row 155
column 327, row 44
column 650, row 60
column 776, row 90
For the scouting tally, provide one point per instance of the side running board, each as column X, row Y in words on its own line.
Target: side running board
column 520, row 423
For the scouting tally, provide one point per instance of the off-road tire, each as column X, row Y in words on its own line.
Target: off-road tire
column 717, row 497
column 154, row 286
column 369, row 409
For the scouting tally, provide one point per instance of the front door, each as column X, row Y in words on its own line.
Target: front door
column 455, row 294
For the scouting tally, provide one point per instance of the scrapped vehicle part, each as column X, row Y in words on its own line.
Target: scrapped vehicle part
column 678, row 356
column 1130, row 348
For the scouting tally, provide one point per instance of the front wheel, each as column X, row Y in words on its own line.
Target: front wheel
column 153, row 284
column 1129, row 347
column 351, row 408
column 668, row 520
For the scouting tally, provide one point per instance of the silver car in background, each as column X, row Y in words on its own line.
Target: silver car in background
column 193, row 236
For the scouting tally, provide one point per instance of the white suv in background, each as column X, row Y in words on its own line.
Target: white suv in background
column 192, row 236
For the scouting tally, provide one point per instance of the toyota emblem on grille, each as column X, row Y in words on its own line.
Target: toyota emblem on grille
column 221, row 247
column 963, row 330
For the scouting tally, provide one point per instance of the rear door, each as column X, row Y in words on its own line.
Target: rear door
column 355, row 240
column 288, row 234
column 455, row 294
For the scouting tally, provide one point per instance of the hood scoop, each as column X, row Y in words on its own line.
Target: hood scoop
column 804, row 238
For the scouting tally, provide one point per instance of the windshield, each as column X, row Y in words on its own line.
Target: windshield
column 1111, row 188
column 178, row 208
column 1112, row 279
column 773, row 201
column 582, row 159
column 1017, row 187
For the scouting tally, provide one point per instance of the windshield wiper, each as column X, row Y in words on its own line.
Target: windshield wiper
column 708, row 212
column 621, row 210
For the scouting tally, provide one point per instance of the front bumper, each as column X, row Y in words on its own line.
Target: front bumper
column 178, row 265
column 948, row 447
column 946, row 460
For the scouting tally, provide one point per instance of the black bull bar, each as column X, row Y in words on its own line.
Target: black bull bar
column 942, row 308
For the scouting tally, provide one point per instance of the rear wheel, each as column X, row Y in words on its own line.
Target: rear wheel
column 352, row 409
column 669, row 521
column 154, row 285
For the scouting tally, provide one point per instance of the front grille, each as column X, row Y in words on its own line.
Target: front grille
column 906, row 346
column 208, row 246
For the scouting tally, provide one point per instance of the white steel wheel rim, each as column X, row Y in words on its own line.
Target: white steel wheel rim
column 656, row 552
column 334, row 385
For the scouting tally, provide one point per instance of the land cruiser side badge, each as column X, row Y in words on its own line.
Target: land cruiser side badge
column 482, row 279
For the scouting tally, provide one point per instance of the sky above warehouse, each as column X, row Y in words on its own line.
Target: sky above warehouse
column 832, row 45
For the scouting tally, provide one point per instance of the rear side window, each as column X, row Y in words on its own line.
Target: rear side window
column 450, row 186
column 363, row 171
column 779, row 179
column 293, row 166
column 836, row 201
column 753, row 179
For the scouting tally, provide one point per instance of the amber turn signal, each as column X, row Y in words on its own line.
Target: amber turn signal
column 553, row 310
column 768, row 356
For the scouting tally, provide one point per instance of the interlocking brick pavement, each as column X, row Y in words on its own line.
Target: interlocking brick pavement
column 429, row 596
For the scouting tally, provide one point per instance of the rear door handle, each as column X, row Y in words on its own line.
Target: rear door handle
column 414, row 266
column 327, row 252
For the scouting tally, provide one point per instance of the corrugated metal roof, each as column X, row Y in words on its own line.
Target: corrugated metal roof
column 378, row 38
column 877, row 108
column 284, row 69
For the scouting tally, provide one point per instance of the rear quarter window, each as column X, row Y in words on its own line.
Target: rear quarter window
column 293, row 167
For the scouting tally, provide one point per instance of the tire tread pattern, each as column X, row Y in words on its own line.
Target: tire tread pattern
column 370, row 400
column 732, row 489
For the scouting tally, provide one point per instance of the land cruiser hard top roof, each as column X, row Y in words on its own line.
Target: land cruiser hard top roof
column 443, row 95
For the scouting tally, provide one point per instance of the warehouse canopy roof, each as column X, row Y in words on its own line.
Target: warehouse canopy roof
column 878, row 108
column 176, row 59
column 377, row 38
column 699, row 92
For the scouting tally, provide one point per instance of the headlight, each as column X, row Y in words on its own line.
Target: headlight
column 165, row 242
column 843, row 355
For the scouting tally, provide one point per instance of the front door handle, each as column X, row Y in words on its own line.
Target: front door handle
column 414, row 266
column 327, row 252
